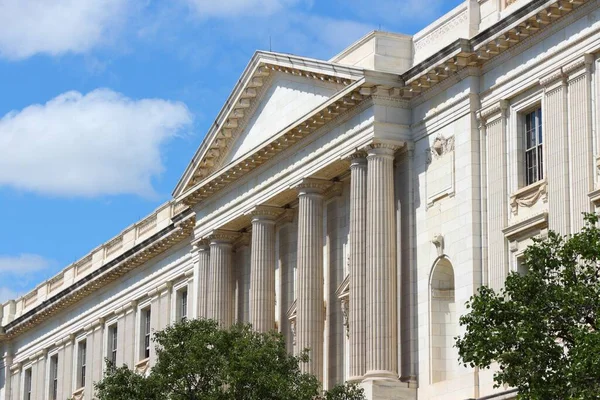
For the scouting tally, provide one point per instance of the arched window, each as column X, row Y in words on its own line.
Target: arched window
column 443, row 322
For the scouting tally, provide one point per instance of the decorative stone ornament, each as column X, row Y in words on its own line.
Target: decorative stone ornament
column 438, row 241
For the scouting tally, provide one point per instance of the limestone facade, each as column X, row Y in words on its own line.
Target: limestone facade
column 353, row 204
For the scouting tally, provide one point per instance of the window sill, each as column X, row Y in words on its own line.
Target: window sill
column 529, row 196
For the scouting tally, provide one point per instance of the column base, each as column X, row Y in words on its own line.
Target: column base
column 388, row 390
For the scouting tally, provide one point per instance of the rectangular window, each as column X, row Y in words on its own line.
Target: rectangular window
column 81, row 363
column 146, row 332
column 54, row 377
column 534, row 153
column 27, row 385
column 183, row 302
column 112, row 344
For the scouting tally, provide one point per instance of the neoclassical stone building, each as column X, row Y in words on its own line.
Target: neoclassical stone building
column 353, row 204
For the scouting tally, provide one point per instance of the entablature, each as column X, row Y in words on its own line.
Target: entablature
column 137, row 245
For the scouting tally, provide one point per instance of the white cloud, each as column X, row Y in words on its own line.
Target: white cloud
column 22, row 264
column 19, row 271
column 7, row 294
column 100, row 143
column 54, row 27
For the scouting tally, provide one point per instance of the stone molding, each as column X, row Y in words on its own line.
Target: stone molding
column 522, row 228
column 529, row 196
column 222, row 236
column 496, row 110
column 552, row 78
column 263, row 212
column 584, row 62
column 312, row 186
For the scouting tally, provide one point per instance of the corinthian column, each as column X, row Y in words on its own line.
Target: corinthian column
column 262, row 269
column 201, row 277
column 382, row 335
column 310, row 314
column 221, row 278
column 358, row 264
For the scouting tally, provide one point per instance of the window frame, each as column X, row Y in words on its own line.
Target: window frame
column 81, row 364
column 53, row 361
column 536, row 149
column 515, row 137
column 112, row 342
column 27, row 382
column 144, row 330
column 181, row 311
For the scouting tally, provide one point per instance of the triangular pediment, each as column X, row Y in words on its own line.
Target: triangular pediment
column 286, row 99
column 274, row 91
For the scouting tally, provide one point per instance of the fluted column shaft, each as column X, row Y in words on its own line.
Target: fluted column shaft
column 310, row 314
column 262, row 273
column 358, row 265
column 202, row 278
column 221, row 282
column 382, row 360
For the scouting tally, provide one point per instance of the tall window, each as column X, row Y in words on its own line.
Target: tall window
column 54, row 377
column 183, row 304
column 534, row 153
column 27, row 385
column 81, row 363
column 112, row 344
column 146, row 332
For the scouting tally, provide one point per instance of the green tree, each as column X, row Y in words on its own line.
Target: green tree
column 197, row 360
column 542, row 328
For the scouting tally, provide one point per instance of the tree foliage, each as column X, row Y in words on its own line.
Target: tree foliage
column 542, row 328
column 197, row 360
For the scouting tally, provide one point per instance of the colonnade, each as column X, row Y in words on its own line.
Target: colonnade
column 372, row 316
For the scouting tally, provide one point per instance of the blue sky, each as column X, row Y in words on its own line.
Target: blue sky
column 103, row 103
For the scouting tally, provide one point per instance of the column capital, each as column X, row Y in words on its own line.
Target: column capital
column 358, row 157
column 265, row 213
column 312, row 186
column 222, row 236
column 383, row 148
column 201, row 244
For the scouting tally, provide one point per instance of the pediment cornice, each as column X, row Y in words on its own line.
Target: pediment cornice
column 244, row 99
column 205, row 175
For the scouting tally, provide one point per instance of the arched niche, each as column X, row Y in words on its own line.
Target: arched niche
column 443, row 321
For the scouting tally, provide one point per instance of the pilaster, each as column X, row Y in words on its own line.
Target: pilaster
column 494, row 130
column 556, row 148
column 581, row 151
